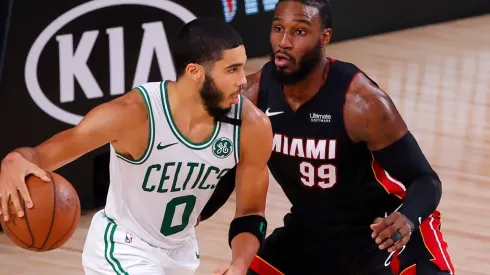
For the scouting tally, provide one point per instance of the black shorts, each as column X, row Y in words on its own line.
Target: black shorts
column 352, row 252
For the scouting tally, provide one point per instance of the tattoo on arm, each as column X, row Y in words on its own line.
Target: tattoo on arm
column 371, row 116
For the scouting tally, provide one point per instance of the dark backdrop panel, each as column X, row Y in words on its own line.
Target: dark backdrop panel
column 36, row 100
column 5, row 9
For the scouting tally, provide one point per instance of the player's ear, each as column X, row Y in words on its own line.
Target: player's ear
column 326, row 37
column 195, row 71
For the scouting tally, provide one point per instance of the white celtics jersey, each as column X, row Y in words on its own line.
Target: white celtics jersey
column 159, row 196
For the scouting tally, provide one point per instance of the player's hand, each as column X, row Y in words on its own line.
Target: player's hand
column 392, row 232
column 13, row 171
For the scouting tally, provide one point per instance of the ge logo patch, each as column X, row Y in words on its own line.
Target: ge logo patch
column 222, row 147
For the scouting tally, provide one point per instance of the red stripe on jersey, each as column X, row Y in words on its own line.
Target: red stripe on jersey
column 391, row 185
column 434, row 242
column 261, row 267
column 395, row 263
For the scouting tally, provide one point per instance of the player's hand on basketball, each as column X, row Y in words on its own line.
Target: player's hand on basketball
column 13, row 171
column 392, row 232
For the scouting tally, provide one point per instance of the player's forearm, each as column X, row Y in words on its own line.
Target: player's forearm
column 244, row 248
column 221, row 193
column 405, row 161
column 30, row 154
column 421, row 199
column 55, row 152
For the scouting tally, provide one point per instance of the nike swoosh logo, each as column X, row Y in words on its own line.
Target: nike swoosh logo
column 267, row 113
column 161, row 147
column 197, row 256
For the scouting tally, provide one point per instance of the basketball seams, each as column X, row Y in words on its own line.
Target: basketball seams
column 28, row 226
column 67, row 232
column 55, row 198
column 12, row 234
column 35, row 225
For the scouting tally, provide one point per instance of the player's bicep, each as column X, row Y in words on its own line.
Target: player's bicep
column 371, row 115
column 252, row 178
column 100, row 126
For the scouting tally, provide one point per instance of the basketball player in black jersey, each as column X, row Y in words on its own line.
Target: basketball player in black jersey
column 363, row 195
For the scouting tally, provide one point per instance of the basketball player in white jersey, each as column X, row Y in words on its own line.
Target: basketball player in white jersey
column 170, row 143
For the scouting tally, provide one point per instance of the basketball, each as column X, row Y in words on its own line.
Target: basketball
column 52, row 219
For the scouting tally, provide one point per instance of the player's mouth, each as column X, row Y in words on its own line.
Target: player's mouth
column 234, row 96
column 281, row 60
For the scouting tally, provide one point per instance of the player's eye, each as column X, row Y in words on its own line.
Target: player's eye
column 300, row 32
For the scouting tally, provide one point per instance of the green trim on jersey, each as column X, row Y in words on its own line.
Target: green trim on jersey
column 175, row 130
column 109, row 248
column 151, row 130
column 236, row 129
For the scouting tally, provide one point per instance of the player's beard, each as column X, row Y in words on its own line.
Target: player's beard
column 307, row 63
column 211, row 98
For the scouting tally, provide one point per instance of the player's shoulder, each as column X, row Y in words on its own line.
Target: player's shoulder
column 256, row 132
column 253, row 117
column 362, row 88
column 137, row 100
column 151, row 87
column 343, row 69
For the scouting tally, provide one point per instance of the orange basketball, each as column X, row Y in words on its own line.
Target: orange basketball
column 51, row 221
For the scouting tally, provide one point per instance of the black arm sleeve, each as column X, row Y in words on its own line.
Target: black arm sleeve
column 404, row 161
column 223, row 191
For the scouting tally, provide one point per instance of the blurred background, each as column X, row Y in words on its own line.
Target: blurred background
column 59, row 59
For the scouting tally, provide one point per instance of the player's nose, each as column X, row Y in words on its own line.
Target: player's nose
column 285, row 42
column 242, row 79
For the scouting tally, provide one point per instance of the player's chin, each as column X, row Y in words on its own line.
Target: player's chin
column 285, row 70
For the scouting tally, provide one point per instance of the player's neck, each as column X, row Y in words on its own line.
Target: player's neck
column 185, row 100
column 299, row 93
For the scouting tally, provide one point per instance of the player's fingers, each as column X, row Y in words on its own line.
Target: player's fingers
column 384, row 230
column 14, row 196
column 401, row 222
column 387, row 243
column 4, row 202
column 404, row 229
column 25, row 195
column 38, row 172
column 375, row 223
column 385, row 223
column 399, row 244
column 1, row 205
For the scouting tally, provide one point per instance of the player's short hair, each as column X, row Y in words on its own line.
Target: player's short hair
column 203, row 41
column 323, row 7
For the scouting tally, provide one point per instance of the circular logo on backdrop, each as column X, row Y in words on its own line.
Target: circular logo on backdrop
column 222, row 147
column 81, row 56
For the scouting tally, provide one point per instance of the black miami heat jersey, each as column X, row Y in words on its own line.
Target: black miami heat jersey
column 327, row 177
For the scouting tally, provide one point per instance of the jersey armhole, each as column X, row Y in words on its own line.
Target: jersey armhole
column 236, row 130
column 151, row 130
